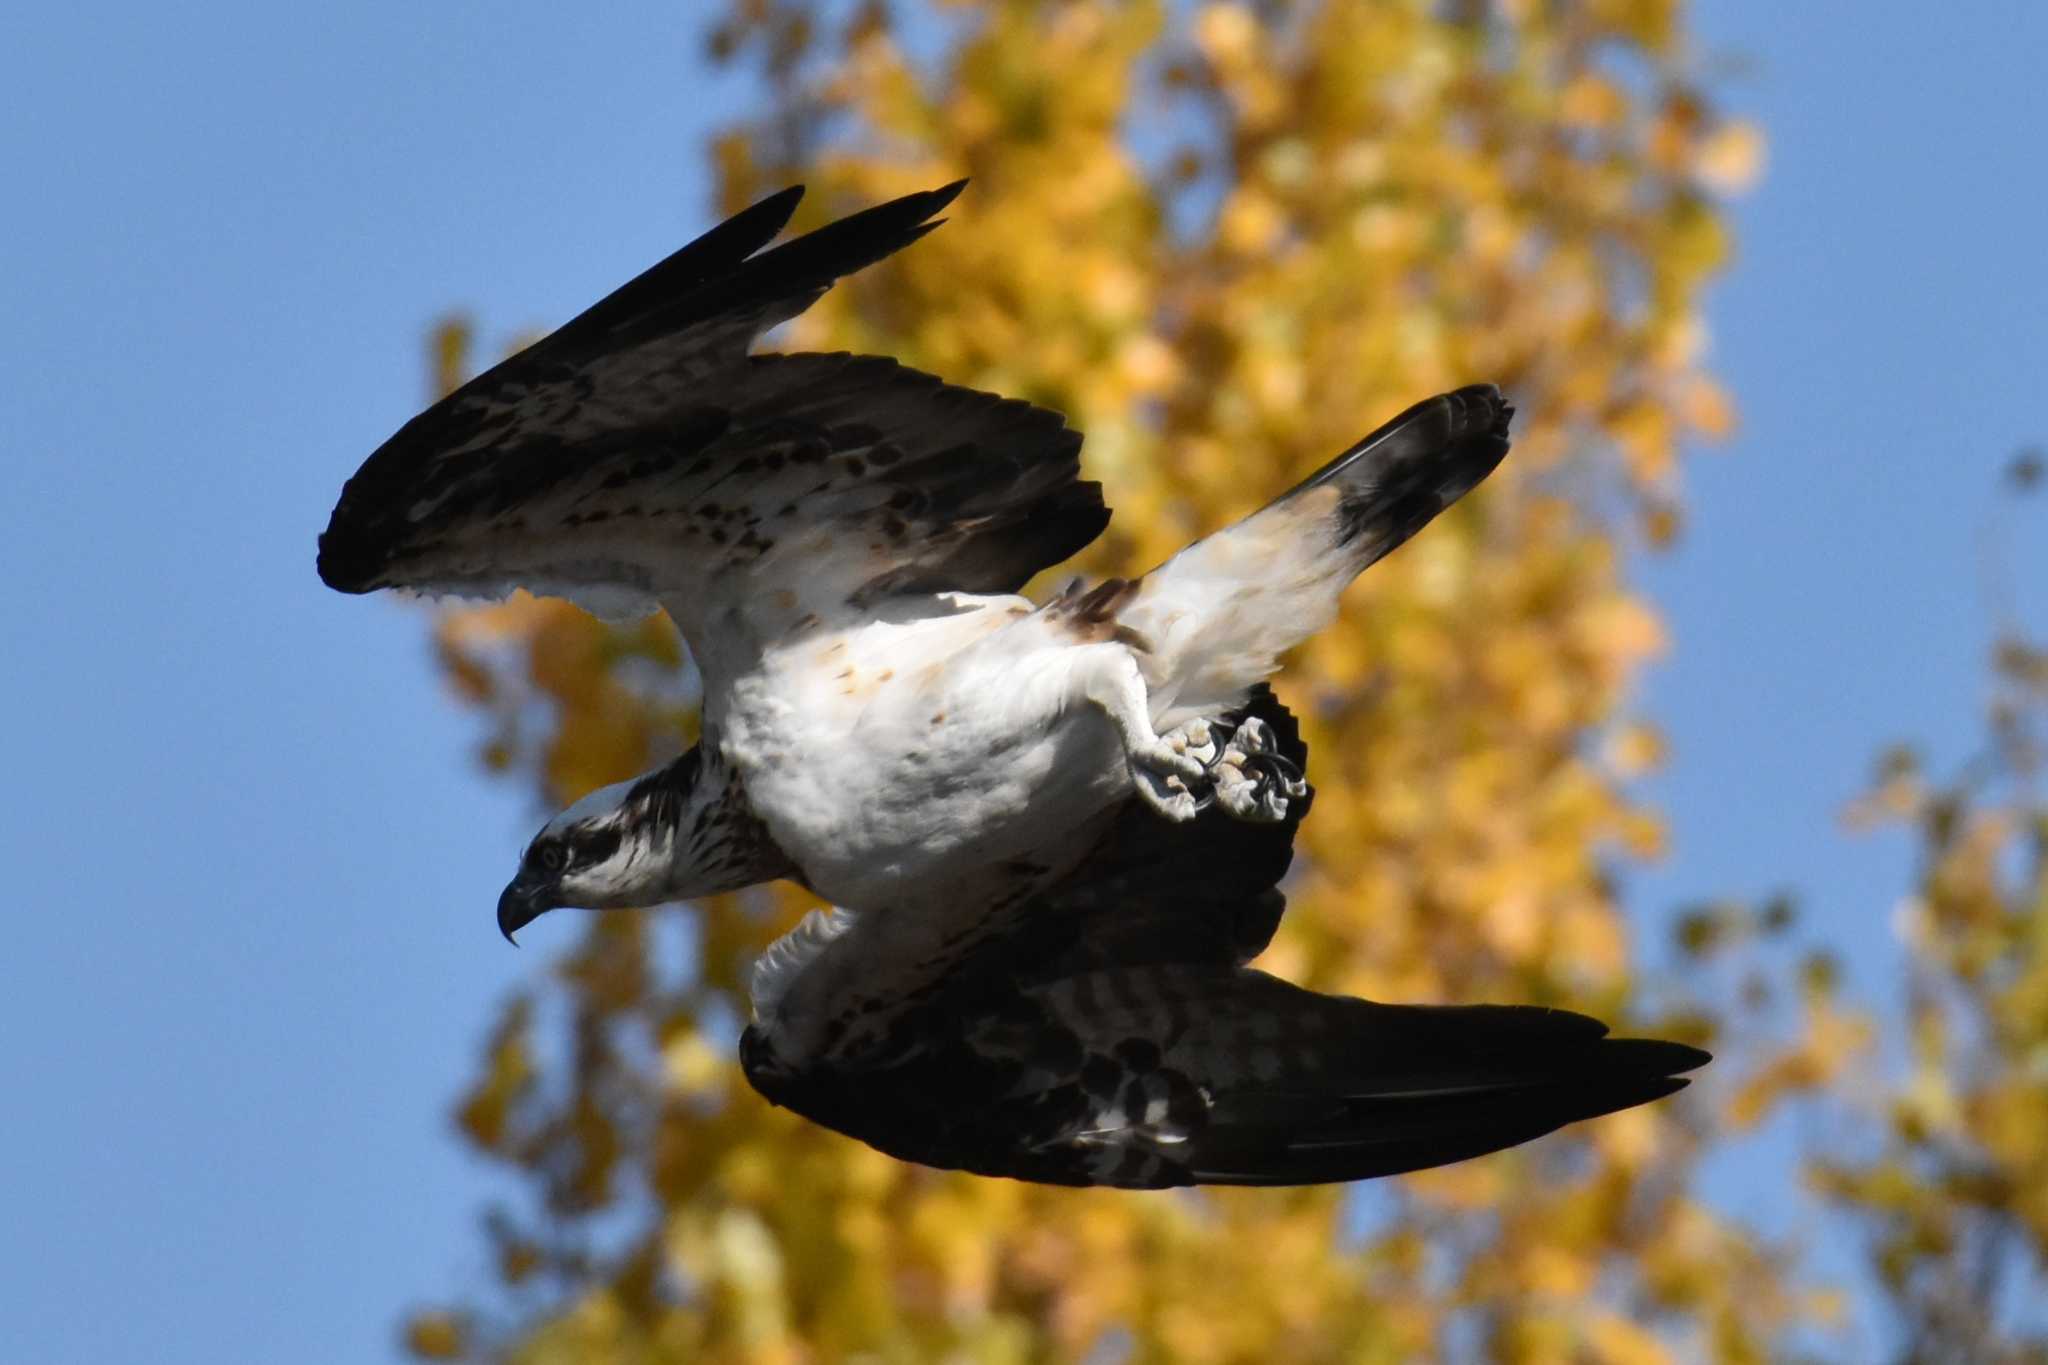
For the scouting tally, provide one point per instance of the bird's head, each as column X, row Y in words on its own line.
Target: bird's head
column 615, row 848
column 595, row 855
column 675, row 834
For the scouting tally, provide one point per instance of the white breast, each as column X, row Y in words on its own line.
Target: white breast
column 897, row 758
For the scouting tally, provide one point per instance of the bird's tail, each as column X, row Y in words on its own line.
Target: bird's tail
column 1217, row 616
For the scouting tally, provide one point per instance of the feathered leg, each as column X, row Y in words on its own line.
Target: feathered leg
column 1187, row 769
column 1165, row 773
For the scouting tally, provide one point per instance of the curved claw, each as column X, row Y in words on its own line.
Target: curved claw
column 1252, row 779
column 1166, row 780
column 1205, row 763
column 1279, row 770
column 1176, row 804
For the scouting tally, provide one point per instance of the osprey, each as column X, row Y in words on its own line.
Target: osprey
column 1052, row 831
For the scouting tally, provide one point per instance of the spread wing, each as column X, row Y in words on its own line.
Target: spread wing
column 639, row 454
column 1115, row 1036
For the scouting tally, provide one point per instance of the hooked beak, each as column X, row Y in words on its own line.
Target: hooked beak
column 521, row 903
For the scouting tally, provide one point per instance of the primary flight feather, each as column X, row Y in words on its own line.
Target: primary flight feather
column 1051, row 830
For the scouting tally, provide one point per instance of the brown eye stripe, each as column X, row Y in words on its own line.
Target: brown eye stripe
column 593, row 846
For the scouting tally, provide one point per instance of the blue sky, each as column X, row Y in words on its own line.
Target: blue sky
column 250, row 956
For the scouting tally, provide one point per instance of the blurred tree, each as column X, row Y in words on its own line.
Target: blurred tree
column 1954, row 1194
column 1225, row 239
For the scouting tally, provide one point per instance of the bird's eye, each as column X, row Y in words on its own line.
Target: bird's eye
column 551, row 857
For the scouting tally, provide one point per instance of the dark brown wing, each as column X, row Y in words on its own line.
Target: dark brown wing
column 1115, row 1037
column 640, row 454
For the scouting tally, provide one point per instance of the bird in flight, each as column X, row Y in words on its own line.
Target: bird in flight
column 1051, row 831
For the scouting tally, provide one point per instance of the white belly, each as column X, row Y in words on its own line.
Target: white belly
column 895, row 761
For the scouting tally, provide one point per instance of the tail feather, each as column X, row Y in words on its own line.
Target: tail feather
column 1218, row 615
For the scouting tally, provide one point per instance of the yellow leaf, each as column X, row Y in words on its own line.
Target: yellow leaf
column 1617, row 1341
column 1731, row 158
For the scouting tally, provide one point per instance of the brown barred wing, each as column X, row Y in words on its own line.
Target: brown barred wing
column 640, row 455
